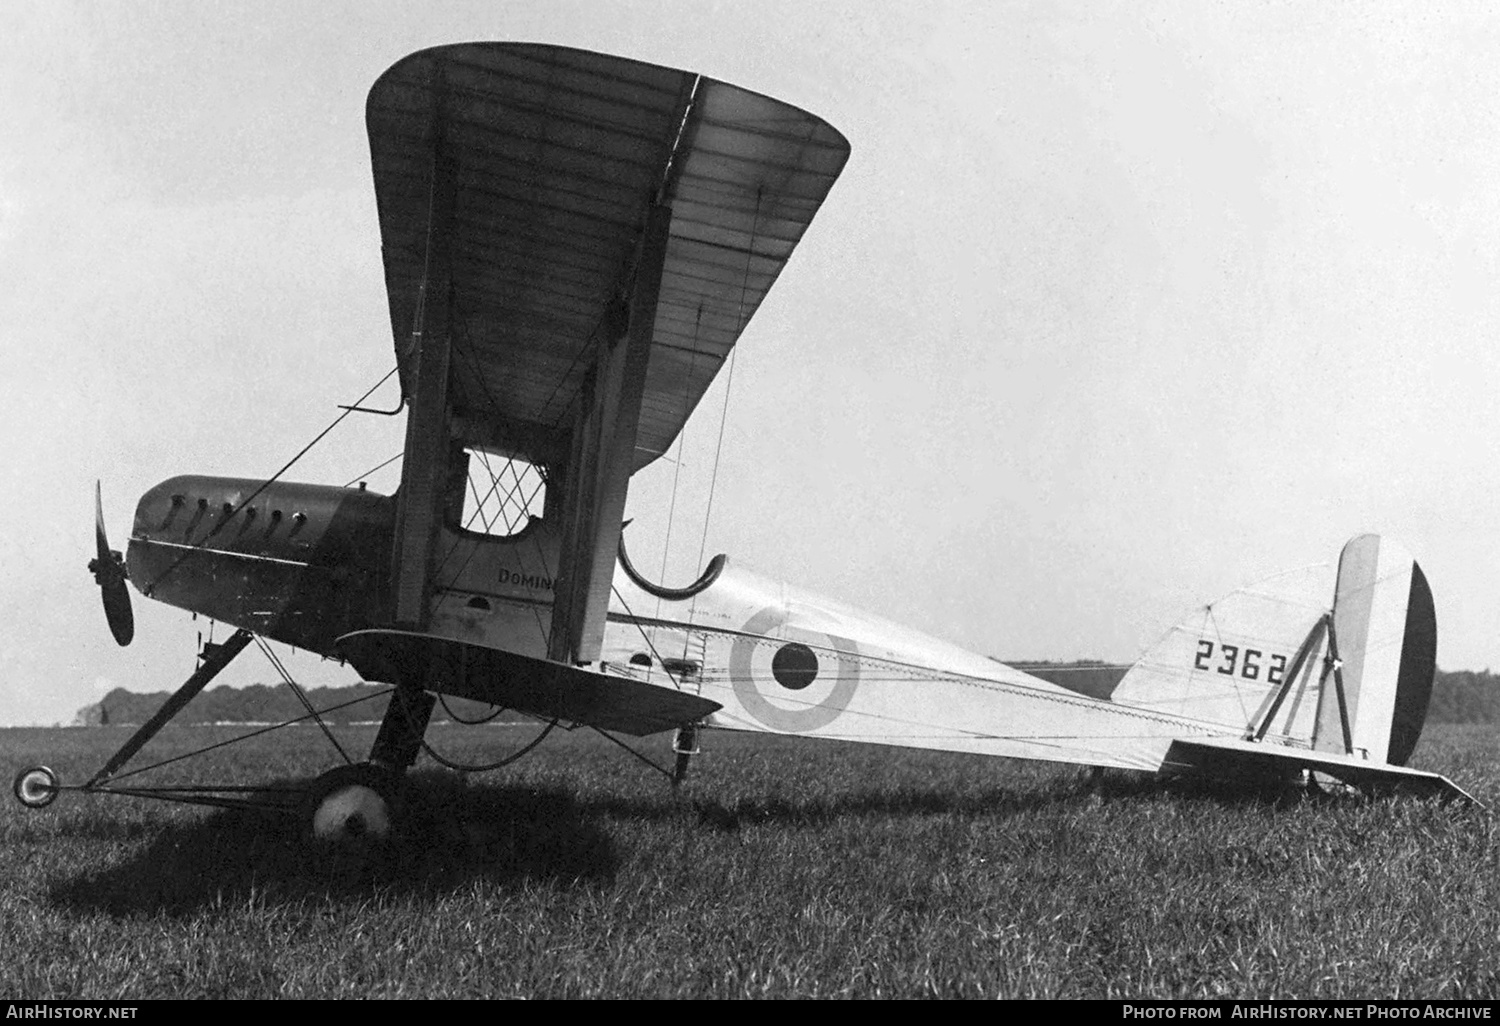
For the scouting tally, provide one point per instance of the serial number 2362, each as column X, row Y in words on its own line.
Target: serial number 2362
column 1234, row 661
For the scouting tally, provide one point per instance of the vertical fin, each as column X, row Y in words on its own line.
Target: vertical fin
column 1245, row 664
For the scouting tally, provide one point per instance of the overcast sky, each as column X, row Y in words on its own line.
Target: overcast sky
column 1115, row 308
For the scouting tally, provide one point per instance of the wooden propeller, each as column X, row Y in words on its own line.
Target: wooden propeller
column 108, row 568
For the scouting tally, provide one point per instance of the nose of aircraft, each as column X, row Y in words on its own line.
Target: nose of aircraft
column 166, row 518
column 158, row 507
column 219, row 512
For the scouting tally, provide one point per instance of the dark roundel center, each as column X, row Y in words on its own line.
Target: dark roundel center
column 794, row 666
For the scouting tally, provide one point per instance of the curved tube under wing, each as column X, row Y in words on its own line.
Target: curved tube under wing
column 709, row 575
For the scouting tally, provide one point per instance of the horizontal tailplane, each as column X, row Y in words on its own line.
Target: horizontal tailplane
column 1256, row 763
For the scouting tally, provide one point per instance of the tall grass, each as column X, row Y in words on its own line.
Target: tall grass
column 785, row 868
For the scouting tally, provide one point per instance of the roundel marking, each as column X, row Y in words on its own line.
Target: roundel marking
column 794, row 666
column 790, row 721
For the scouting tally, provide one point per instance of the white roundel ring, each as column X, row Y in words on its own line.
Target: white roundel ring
column 799, row 675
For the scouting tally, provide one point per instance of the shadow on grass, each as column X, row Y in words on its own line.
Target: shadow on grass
column 1001, row 802
column 453, row 834
column 450, row 835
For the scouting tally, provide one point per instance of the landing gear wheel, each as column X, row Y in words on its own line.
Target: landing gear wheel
column 352, row 805
column 36, row 788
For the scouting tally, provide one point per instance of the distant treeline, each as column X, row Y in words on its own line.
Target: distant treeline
column 1465, row 696
column 263, row 703
column 1087, row 676
column 1460, row 696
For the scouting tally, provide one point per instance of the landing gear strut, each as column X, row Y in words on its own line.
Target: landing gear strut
column 685, row 744
column 402, row 728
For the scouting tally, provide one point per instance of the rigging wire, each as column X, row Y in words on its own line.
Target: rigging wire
column 200, row 543
column 713, row 480
column 245, row 737
column 647, row 638
column 378, row 466
column 301, row 697
column 509, row 499
column 677, row 467
column 468, row 350
column 503, row 503
column 666, row 545
column 479, row 506
column 588, row 345
column 887, row 671
column 729, row 383
column 510, row 527
column 610, row 737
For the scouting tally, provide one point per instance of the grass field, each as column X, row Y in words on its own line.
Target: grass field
column 785, row 869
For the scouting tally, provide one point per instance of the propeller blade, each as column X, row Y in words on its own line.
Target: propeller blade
column 101, row 543
column 118, row 612
column 109, row 571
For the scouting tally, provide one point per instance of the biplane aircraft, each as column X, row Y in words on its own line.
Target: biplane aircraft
column 572, row 244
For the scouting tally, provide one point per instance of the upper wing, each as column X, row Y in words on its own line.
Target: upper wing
column 549, row 160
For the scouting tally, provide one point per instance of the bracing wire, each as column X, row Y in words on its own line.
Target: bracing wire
column 479, row 506
column 478, row 513
column 666, row 545
column 245, row 737
column 302, row 697
column 713, row 480
column 509, row 499
column 468, row 350
column 610, row 737
column 379, row 466
column 647, row 638
column 200, row 543
column 677, row 467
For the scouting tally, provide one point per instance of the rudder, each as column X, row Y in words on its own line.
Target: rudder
column 1385, row 640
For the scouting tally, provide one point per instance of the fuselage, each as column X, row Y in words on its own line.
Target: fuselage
column 308, row 564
